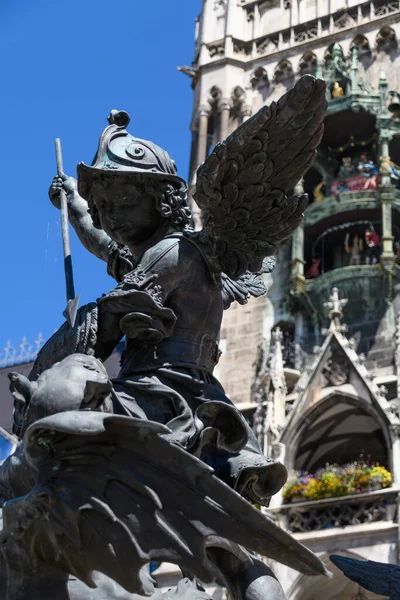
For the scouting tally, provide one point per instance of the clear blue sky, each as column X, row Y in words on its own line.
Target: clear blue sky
column 65, row 64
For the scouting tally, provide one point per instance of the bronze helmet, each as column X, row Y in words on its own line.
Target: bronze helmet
column 121, row 153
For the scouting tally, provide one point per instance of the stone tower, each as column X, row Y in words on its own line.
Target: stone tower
column 315, row 366
column 248, row 53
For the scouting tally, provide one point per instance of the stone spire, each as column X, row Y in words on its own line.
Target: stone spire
column 269, row 393
column 354, row 70
column 383, row 86
column 278, row 390
column 335, row 305
column 277, row 362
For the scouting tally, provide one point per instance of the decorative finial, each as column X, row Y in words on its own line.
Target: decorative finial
column 354, row 69
column 382, row 78
column 119, row 118
column 318, row 71
column 336, row 50
column 335, row 304
column 354, row 57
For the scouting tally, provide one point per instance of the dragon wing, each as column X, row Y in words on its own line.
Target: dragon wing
column 112, row 494
column 380, row 578
column 242, row 186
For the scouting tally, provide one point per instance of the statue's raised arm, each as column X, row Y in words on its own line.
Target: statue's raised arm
column 95, row 240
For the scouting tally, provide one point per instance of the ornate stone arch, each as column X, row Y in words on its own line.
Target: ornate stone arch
column 386, row 40
column 259, row 78
column 238, row 99
column 214, row 102
column 283, row 70
column 326, row 424
column 362, row 44
column 238, row 94
column 308, row 63
column 214, row 96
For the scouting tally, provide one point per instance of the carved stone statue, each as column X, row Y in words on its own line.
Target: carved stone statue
column 158, row 465
column 337, row 90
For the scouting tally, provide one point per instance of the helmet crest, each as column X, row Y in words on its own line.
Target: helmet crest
column 121, row 153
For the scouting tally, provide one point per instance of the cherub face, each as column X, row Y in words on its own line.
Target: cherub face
column 127, row 213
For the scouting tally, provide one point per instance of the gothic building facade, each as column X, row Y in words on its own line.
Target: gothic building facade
column 314, row 366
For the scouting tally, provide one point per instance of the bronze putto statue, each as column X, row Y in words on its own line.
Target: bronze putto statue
column 157, row 465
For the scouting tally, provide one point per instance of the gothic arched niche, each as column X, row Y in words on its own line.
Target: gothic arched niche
column 219, row 7
column 362, row 44
column 260, row 83
column 259, row 78
column 270, row 16
column 238, row 97
column 386, row 40
column 214, row 96
column 308, row 63
column 340, row 430
column 214, row 99
column 283, row 70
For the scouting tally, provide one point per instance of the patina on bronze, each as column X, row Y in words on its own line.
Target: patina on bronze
column 172, row 473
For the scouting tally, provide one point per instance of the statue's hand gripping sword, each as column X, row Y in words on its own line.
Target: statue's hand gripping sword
column 72, row 300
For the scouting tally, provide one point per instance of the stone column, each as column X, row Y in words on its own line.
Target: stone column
column 387, row 195
column 298, row 243
column 383, row 86
column 298, row 252
column 396, row 455
column 225, row 115
column 354, row 70
column 387, row 237
column 200, row 157
column 204, row 113
column 395, row 404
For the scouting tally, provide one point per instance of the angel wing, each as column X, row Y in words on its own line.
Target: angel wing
column 380, row 578
column 112, row 494
column 242, row 186
column 249, row 284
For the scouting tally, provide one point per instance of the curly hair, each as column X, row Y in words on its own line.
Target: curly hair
column 170, row 200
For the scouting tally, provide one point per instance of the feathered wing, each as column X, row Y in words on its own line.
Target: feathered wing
column 380, row 578
column 242, row 186
column 249, row 284
column 112, row 494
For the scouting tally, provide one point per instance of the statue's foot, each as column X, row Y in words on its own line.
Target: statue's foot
column 253, row 475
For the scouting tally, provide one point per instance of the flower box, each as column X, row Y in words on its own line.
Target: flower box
column 334, row 481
